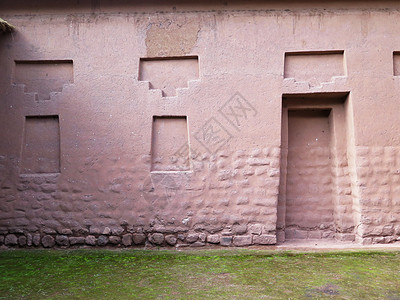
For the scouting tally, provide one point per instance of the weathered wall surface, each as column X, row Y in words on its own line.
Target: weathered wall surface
column 178, row 124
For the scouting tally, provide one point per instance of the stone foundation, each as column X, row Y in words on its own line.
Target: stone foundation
column 128, row 236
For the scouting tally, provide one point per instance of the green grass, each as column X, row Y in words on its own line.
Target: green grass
column 210, row 274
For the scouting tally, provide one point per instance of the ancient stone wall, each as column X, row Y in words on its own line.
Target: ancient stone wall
column 181, row 124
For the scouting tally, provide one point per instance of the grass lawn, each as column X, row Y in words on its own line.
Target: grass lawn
column 211, row 274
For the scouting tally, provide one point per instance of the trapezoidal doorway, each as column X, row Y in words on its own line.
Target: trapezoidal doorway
column 315, row 200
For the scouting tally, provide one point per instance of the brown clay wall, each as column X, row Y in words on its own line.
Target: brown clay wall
column 170, row 123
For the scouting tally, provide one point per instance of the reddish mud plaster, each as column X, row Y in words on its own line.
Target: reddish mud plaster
column 229, row 123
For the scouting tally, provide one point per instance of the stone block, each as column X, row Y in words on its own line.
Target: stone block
column 255, row 229
column 192, row 237
column 171, row 240
column 48, row 241
column 106, row 231
column 202, row 237
column 213, row 239
column 239, row 229
column 29, row 239
column 11, row 240
column 162, row 229
column 242, row 240
column 378, row 240
column 95, row 230
column 366, row 241
column 80, row 231
column 102, row 240
column 138, row 238
column 115, row 240
column 22, row 240
column 36, row 240
column 156, row 238
column 62, row 240
column 389, row 239
column 264, row 239
column 127, row 239
column 180, row 229
column 117, row 230
column 388, row 230
column 65, row 231
column 225, row 241
column 90, row 240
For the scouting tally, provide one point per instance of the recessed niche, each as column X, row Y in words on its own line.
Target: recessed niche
column 168, row 74
column 170, row 144
column 313, row 202
column 41, row 148
column 315, row 67
column 396, row 63
column 42, row 77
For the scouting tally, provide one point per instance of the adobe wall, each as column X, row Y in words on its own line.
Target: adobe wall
column 179, row 124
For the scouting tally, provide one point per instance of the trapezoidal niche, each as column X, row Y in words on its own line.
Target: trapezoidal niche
column 41, row 148
column 170, row 144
